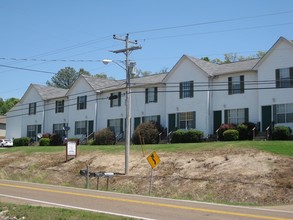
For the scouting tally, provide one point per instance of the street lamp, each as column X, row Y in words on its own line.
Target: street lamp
column 128, row 68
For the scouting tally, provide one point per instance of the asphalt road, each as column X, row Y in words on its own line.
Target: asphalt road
column 140, row 207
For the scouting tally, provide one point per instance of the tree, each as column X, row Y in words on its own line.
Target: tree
column 6, row 105
column 66, row 77
column 104, row 76
column 233, row 57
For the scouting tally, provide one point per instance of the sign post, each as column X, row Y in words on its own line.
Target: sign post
column 153, row 160
column 71, row 150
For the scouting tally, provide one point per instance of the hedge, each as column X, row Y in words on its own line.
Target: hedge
column 187, row 136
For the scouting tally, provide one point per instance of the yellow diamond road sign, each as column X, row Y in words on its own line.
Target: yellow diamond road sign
column 153, row 159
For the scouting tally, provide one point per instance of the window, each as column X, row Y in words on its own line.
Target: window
column 283, row 113
column 284, row 78
column 33, row 130
column 116, row 100
column 59, row 129
column 80, row 127
column 186, row 89
column 32, row 108
column 59, row 107
column 155, row 118
column 186, row 120
column 151, row 95
column 116, row 125
column 235, row 85
column 81, row 102
column 236, row 116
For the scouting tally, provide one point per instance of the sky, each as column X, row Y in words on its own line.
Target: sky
column 38, row 38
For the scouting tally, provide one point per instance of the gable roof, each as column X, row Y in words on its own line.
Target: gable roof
column 280, row 40
column 100, row 84
column 214, row 69
column 45, row 92
column 49, row 92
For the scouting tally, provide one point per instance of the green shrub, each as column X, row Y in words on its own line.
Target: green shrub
column 186, row 136
column 246, row 130
column 44, row 142
column 223, row 128
column 281, row 133
column 23, row 141
column 147, row 133
column 105, row 137
column 231, row 135
column 55, row 140
column 243, row 131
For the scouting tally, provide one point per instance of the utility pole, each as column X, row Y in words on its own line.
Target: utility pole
column 128, row 67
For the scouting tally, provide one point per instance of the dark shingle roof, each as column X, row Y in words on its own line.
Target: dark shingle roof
column 48, row 92
column 218, row 69
column 240, row 66
column 151, row 79
column 100, row 85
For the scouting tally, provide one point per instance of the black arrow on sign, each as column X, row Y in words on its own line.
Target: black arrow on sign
column 153, row 158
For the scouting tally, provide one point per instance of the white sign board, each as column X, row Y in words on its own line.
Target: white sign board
column 71, row 149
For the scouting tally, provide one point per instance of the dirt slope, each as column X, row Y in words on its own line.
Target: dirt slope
column 224, row 175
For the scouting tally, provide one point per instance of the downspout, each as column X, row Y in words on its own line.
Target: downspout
column 43, row 120
column 209, row 103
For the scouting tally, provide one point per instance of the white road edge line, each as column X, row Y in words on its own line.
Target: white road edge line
column 75, row 207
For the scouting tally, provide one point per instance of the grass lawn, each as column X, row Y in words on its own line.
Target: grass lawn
column 38, row 212
column 277, row 147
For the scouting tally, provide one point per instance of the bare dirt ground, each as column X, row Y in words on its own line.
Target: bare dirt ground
column 244, row 176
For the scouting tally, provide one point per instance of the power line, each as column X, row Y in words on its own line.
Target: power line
column 221, row 31
column 48, row 60
column 210, row 22
column 257, row 83
column 26, row 69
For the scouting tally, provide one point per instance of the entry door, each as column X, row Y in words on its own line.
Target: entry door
column 266, row 116
column 172, row 121
column 217, row 120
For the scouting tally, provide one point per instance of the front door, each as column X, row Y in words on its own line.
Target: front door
column 266, row 116
column 217, row 120
column 171, row 122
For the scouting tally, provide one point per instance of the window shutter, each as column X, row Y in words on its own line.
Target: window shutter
column 180, row 90
column 119, row 98
column 75, row 129
column 111, row 101
column 85, row 102
column 35, row 108
column 178, row 120
column 146, row 96
column 39, row 129
column 226, row 116
column 56, row 106
column 277, row 78
column 193, row 119
column 291, row 77
column 159, row 119
column 121, row 125
column 156, row 94
column 229, row 85
column 62, row 105
column 246, row 119
column 136, row 122
column 78, row 103
column 242, row 84
column 191, row 88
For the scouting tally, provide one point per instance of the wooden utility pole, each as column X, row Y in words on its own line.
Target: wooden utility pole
column 128, row 67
